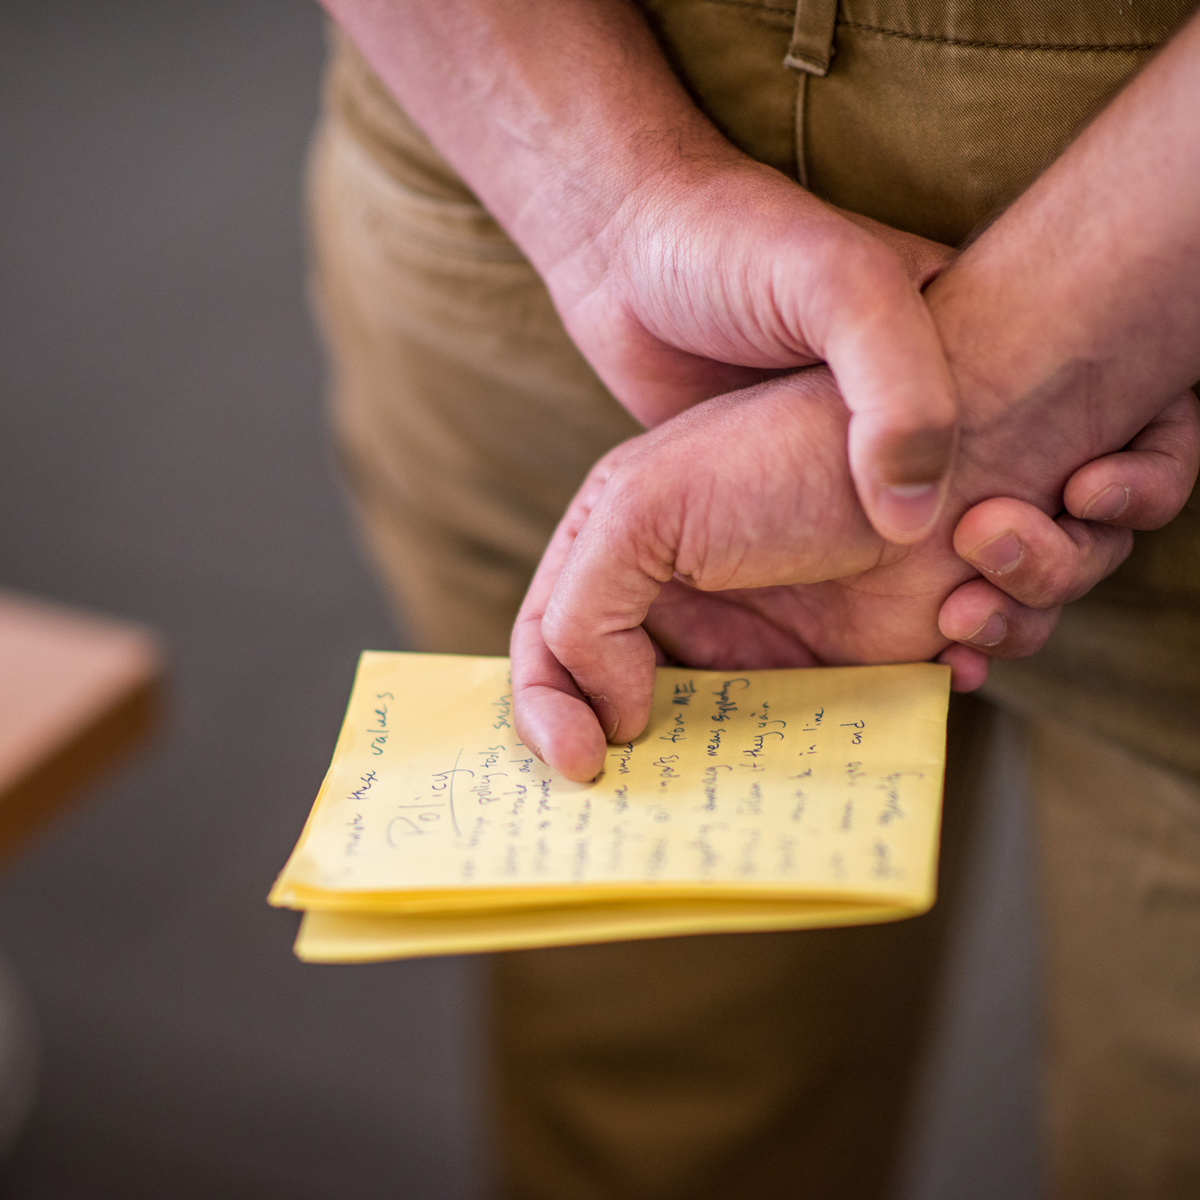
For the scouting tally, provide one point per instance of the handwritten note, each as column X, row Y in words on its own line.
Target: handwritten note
column 754, row 800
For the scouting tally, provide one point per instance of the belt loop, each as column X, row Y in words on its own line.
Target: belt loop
column 811, row 47
column 810, row 53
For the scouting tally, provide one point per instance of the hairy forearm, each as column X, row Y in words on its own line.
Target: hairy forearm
column 1076, row 317
column 554, row 111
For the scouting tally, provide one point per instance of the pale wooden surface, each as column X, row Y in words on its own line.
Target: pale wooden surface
column 77, row 693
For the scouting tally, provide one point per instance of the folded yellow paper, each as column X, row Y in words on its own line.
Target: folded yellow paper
column 755, row 800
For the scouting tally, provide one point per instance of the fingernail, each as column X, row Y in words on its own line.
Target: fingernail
column 1108, row 504
column 606, row 714
column 909, row 508
column 990, row 632
column 999, row 556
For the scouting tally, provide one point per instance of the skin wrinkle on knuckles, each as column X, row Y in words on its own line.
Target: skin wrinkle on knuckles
column 1060, row 582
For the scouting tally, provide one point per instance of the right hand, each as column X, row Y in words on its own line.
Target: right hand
column 746, row 491
column 1030, row 564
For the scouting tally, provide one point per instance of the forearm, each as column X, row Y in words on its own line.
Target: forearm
column 555, row 113
column 1076, row 317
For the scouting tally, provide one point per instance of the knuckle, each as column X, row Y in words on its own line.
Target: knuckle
column 1049, row 585
column 867, row 262
column 1027, row 633
column 1165, row 493
column 1034, row 638
column 565, row 635
column 1120, row 547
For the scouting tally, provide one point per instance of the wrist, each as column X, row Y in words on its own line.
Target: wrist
column 1037, row 399
column 553, row 111
column 619, row 207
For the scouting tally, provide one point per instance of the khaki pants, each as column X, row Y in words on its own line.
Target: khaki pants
column 1118, row 849
column 769, row 1065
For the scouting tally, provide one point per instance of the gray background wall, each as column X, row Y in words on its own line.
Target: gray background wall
column 162, row 457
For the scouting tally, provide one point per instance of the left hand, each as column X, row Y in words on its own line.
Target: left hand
column 732, row 538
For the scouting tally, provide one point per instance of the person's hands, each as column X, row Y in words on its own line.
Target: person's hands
column 1030, row 565
column 732, row 538
column 682, row 268
column 1069, row 324
column 749, row 490
column 717, row 274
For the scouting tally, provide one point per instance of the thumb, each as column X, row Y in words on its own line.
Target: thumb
column 583, row 669
column 883, row 349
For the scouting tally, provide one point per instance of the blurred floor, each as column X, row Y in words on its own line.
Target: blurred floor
column 162, row 457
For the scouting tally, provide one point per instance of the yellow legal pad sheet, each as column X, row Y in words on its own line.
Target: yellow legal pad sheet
column 754, row 800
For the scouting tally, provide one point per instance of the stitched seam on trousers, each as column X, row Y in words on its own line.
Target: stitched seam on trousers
column 766, row 8
column 948, row 41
